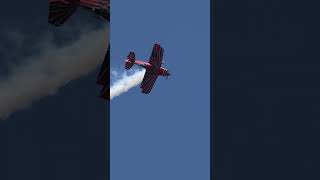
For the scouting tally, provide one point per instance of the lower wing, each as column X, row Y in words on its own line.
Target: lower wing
column 148, row 81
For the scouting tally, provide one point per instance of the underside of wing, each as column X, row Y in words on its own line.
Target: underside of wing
column 148, row 81
column 61, row 10
column 156, row 56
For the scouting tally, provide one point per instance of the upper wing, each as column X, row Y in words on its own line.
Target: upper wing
column 156, row 56
column 61, row 10
column 148, row 81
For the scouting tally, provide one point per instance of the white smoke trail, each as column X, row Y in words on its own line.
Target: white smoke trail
column 45, row 73
column 126, row 82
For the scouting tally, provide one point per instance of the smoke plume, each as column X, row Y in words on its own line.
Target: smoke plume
column 43, row 74
column 125, row 82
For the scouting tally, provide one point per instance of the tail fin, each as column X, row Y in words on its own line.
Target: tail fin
column 131, row 59
column 61, row 10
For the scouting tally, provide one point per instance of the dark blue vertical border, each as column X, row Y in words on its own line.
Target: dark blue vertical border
column 107, row 140
column 216, row 125
column 107, row 123
column 213, row 121
column 265, row 86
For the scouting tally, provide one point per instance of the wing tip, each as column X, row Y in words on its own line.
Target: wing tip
column 145, row 92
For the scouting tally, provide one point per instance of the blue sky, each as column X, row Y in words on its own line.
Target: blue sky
column 163, row 135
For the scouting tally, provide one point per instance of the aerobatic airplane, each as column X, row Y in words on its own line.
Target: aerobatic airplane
column 153, row 68
column 61, row 10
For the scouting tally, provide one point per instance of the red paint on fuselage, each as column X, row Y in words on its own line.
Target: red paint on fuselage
column 161, row 71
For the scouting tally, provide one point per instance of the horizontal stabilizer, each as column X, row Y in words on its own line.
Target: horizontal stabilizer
column 131, row 59
column 131, row 56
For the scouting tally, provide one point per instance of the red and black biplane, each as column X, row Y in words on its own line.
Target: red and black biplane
column 61, row 10
column 153, row 67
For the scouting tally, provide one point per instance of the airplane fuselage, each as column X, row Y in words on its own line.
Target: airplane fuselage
column 160, row 71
